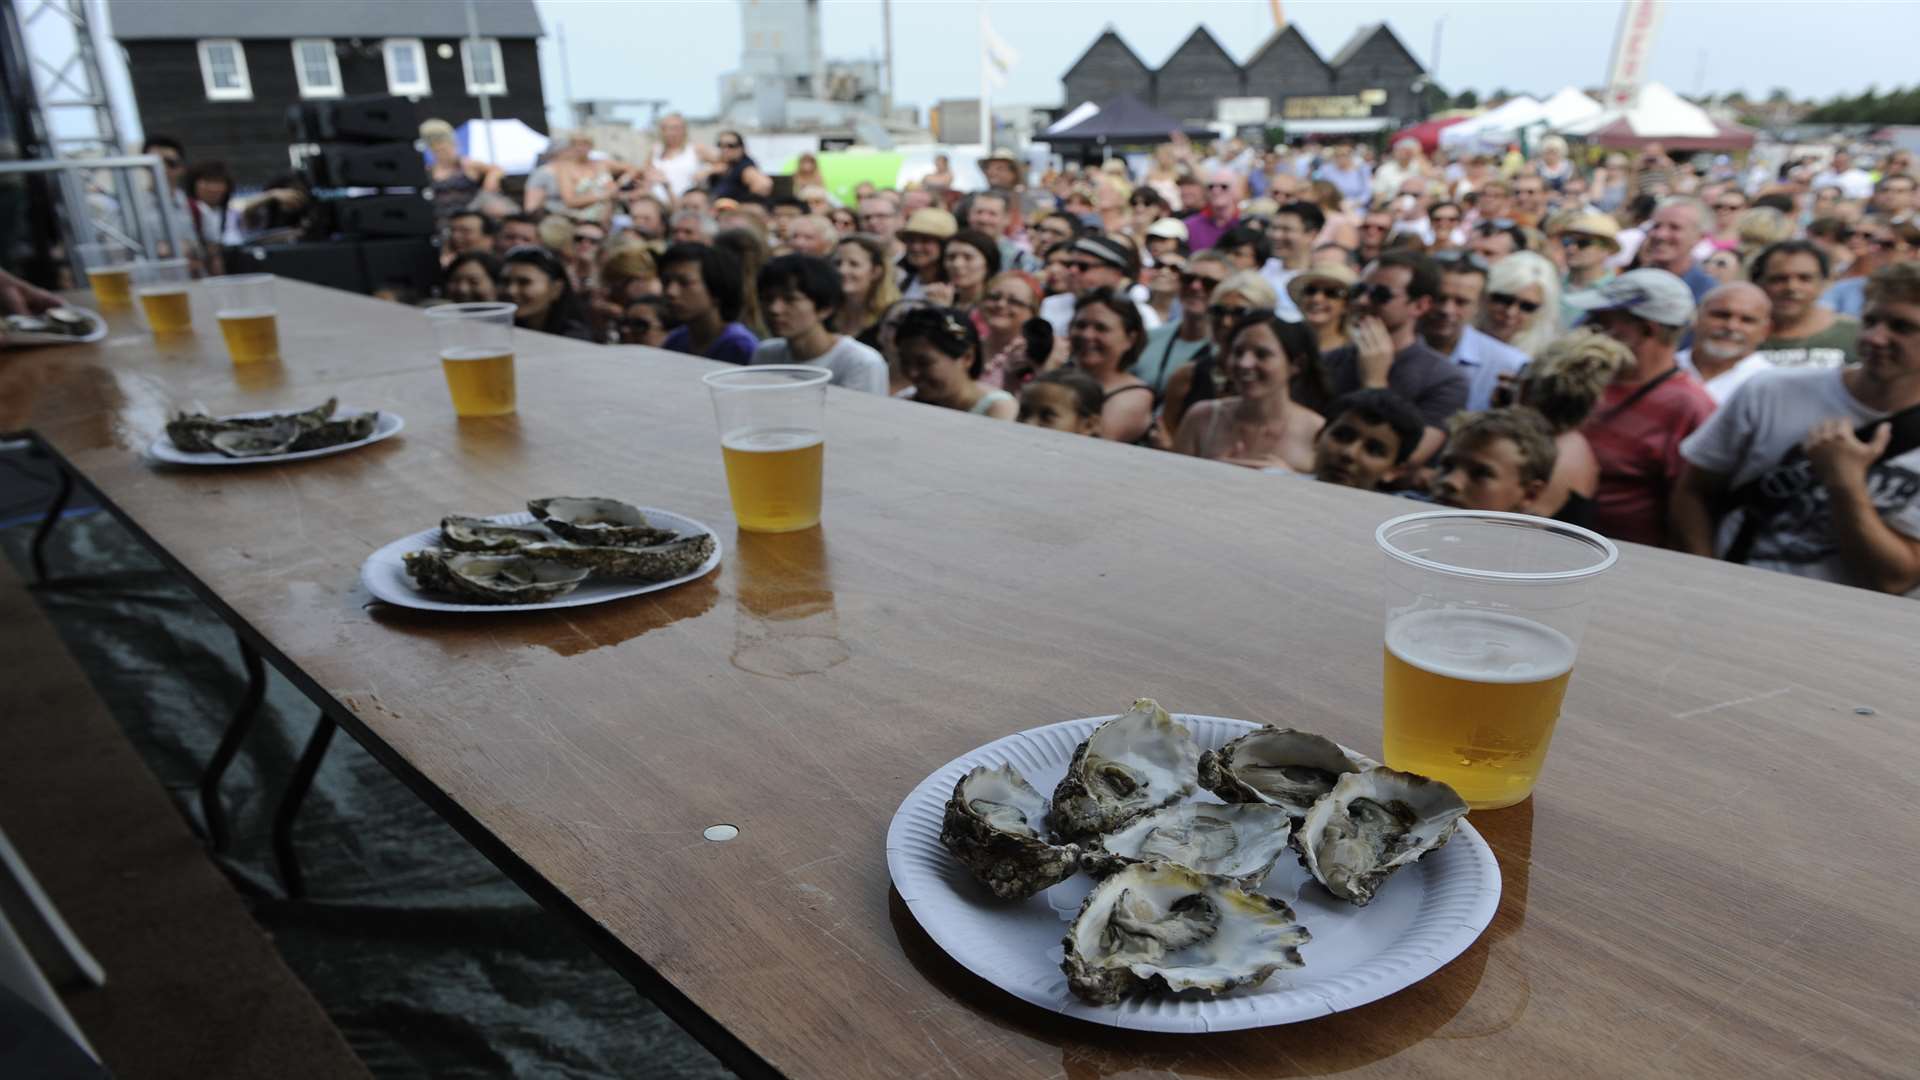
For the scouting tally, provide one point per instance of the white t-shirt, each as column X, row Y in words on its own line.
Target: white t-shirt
column 854, row 365
column 679, row 169
column 1768, row 416
column 1722, row 386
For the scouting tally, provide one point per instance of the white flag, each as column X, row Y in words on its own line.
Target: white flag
column 999, row 55
column 1632, row 50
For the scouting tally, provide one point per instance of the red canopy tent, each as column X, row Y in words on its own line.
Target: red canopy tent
column 1619, row 135
column 1427, row 132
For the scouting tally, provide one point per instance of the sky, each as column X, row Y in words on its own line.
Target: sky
column 1815, row 48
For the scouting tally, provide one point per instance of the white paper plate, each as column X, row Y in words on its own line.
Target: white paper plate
column 385, row 575
column 389, row 425
column 1422, row 917
column 15, row 338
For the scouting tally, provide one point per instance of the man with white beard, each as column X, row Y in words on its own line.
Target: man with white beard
column 1734, row 319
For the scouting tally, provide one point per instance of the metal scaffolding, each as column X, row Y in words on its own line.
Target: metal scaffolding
column 75, row 116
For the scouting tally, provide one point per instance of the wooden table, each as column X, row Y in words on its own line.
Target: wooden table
column 1716, row 877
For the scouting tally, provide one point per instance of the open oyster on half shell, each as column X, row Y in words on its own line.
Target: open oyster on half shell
column 597, row 521
column 993, row 826
column 275, row 433
column 1130, row 765
column 1277, row 766
column 1156, row 926
column 1241, row 841
column 1373, row 823
column 491, row 579
column 659, row 562
column 461, row 533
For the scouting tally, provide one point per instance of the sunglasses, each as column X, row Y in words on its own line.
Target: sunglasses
column 729, row 146
column 1223, row 313
column 1728, row 208
column 1322, row 292
column 1188, row 279
column 1578, row 242
column 1461, row 258
column 1501, row 299
column 1219, row 187
column 1378, row 294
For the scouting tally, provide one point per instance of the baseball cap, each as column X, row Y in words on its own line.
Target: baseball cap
column 1115, row 253
column 930, row 221
column 1653, row 295
column 1169, row 228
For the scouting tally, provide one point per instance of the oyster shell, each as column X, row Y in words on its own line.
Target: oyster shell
column 1241, row 841
column 193, row 432
column 660, row 562
column 344, row 429
column 992, row 825
column 1279, row 767
column 1129, row 765
column 596, row 521
column 256, row 441
column 1373, row 823
column 491, row 579
column 1163, row 927
column 461, row 533
column 276, row 433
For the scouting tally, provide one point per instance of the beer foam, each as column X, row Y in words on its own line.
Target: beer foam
column 1480, row 646
column 770, row 440
column 476, row 352
column 244, row 313
column 163, row 290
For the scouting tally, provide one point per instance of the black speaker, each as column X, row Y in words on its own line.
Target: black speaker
column 366, row 119
column 335, row 264
column 386, row 165
column 415, row 261
column 384, row 215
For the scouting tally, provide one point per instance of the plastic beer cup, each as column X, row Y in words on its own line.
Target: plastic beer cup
column 109, row 274
column 773, row 441
column 1484, row 617
column 476, row 354
column 161, row 285
column 249, row 320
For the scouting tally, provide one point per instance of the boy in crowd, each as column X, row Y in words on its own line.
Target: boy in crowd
column 1495, row 460
column 1368, row 437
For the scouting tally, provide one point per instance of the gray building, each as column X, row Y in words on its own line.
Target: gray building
column 1368, row 86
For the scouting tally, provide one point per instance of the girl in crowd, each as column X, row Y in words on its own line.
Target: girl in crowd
column 471, row 278
column 1163, row 175
column 1341, row 227
column 1063, row 399
column 1261, row 427
column 644, row 322
column 735, row 176
column 209, row 191
column 806, row 174
column 1106, row 337
column 1321, row 294
column 1012, row 298
column 748, row 249
column 627, row 272
column 1522, row 305
column 1563, row 385
column 885, row 333
column 1200, row 380
column 844, row 221
column 536, row 282
column 867, row 279
column 940, row 352
column 969, row 258
column 457, row 180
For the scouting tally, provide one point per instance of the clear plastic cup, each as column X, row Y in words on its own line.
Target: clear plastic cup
column 476, row 354
column 165, row 305
column 773, row 440
column 249, row 316
column 109, row 274
column 1485, row 612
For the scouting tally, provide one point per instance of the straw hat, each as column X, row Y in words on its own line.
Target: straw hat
column 1600, row 226
column 931, row 221
column 1339, row 275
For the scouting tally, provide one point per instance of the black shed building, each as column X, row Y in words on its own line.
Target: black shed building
column 220, row 76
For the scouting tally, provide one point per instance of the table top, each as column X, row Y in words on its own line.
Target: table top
column 1714, row 878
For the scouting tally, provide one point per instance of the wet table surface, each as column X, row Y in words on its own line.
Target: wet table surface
column 1716, row 878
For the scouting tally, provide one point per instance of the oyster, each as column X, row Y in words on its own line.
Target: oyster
column 344, row 429
column 461, row 533
column 1373, row 823
column 607, row 522
column 1239, row 841
column 660, row 562
column 1129, row 765
column 276, row 433
column 1159, row 926
column 256, row 441
column 491, row 579
column 193, row 432
column 1277, row 766
column 993, row 826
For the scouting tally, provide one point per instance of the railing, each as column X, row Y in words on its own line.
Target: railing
column 123, row 213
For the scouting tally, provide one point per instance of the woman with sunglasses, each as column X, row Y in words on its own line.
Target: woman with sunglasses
column 735, row 176
column 1240, row 295
column 1320, row 293
column 1260, row 427
column 1012, row 300
column 1522, row 305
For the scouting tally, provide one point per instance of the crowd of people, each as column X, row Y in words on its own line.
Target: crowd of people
column 1679, row 352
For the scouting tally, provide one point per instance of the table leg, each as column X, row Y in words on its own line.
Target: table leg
column 238, row 728
column 55, row 508
column 296, row 793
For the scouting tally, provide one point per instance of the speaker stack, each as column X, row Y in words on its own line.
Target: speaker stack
column 371, row 223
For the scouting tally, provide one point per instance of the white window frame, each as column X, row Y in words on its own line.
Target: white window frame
column 308, row 90
column 243, row 92
column 421, row 87
column 499, row 85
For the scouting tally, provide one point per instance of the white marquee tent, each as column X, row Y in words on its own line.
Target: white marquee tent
column 1658, row 113
column 1491, row 129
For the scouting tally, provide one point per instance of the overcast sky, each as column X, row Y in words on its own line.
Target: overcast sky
column 677, row 50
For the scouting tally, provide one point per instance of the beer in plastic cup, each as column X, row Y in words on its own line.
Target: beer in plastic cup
column 1484, row 617
column 476, row 353
column 773, row 441
column 245, row 306
column 109, row 274
column 161, row 285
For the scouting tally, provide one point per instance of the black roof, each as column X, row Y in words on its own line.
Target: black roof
column 146, row 20
column 1125, row 119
